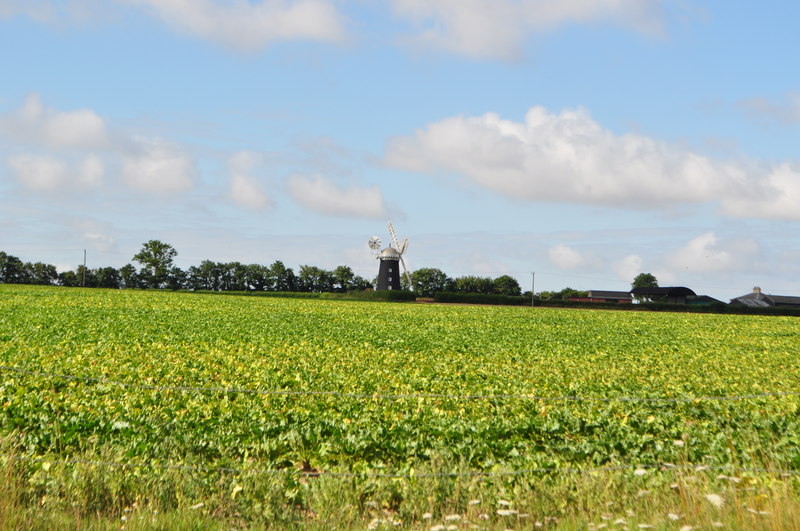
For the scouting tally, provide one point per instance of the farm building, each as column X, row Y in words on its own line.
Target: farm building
column 703, row 300
column 595, row 295
column 757, row 299
column 673, row 295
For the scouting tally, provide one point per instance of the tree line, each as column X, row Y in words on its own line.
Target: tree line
column 156, row 270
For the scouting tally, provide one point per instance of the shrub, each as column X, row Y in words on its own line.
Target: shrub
column 481, row 298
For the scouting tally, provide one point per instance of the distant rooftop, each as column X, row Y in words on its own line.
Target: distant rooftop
column 757, row 299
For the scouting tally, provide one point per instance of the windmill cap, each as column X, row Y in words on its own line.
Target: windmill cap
column 390, row 254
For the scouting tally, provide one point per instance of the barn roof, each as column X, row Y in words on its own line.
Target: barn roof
column 677, row 291
column 784, row 300
column 601, row 294
column 757, row 299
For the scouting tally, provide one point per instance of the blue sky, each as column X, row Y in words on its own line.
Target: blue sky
column 587, row 141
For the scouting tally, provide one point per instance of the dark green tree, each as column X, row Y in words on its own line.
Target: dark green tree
column 360, row 283
column 568, row 293
column 155, row 259
column 258, row 278
column 206, row 276
column 343, row 278
column 128, row 277
column 176, row 279
column 68, row 279
column 474, row 284
column 234, row 276
column 506, row 285
column 429, row 281
column 88, row 280
column 3, row 261
column 313, row 279
column 193, row 279
column 45, row 274
column 644, row 280
column 108, row 277
column 11, row 269
column 564, row 294
column 284, row 277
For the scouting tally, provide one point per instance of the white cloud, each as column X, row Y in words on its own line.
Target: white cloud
column 96, row 234
column 37, row 11
column 705, row 254
column 499, row 28
column 477, row 28
column 786, row 110
column 63, row 267
column 91, row 172
column 566, row 257
column 38, row 173
column 701, row 254
column 569, row 157
column 250, row 25
column 243, row 187
column 45, row 173
column 54, row 12
column 629, row 267
column 323, row 195
column 157, row 167
column 632, row 265
column 100, row 242
column 775, row 195
column 34, row 122
column 74, row 148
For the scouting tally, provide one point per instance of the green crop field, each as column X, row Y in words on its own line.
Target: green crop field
column 246, row 411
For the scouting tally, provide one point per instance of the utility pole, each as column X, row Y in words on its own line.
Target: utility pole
column 83, row 283
column 533, row 284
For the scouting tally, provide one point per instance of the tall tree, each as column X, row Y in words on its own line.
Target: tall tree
column 429, row 281
column 473, row 284
column 284, row 277
column 314, row 279
column 108, row 277
column 87, row 274
column 11, row 269
column 568, row 293
column 3, row 260
column 208, row 276
column 360, row 283
column 176, row 279
column 42, row 273
column 506, row 285
column 237, row 279
column 258, row 278
column 644, row 280
column 128, row 276
column 69, row 279
column 156, row 261
column 342, row 278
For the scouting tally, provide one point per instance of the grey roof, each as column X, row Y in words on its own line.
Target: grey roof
column 761, row 300
column 599, row 294
column 753, row 300
column 703, row 300
column 753, row 303
column 677, row 291
column 785, row 300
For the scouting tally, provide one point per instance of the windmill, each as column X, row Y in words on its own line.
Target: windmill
column 391, row 259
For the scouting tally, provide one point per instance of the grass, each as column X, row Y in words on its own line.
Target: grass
column 663, row 499
column 211, row 460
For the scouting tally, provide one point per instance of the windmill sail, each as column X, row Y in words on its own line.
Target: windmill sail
column 401, row 249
